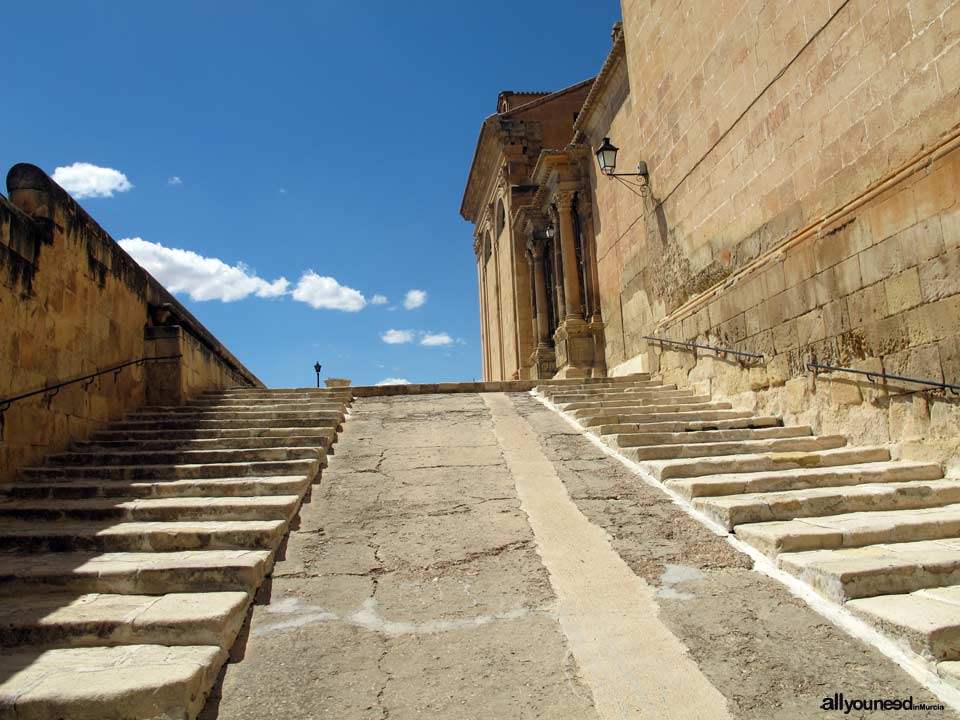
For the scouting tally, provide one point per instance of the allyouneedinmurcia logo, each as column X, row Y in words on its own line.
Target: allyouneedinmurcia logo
column 840, row 703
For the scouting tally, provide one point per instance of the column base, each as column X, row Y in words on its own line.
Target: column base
column 576, row 349
column 543, row 363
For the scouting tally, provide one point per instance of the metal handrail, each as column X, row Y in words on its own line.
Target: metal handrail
column 705, row 347
column 816, row 367
column 88, row 379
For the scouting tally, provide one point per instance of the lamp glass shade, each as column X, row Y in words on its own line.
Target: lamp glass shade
column 549, row 232
column 607, row 156
column 316, row 367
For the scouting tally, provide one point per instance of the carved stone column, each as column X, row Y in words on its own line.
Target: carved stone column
column 543, row 359
column 571, row 283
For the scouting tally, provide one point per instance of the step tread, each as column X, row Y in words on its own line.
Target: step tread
column 68, row 619
column 801, row 478
column 274, row 501
column 856, row 529
column 929, row 619
column 822, row 501
column 81, row 528
column 147, row 681
column 752, row 462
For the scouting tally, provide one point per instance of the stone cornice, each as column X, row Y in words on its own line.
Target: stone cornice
column 614, row 58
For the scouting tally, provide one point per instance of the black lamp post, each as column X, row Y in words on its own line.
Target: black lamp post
column 316, row 369
column 607, row 159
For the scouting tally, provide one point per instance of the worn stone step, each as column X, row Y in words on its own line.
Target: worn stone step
column 102, row 458
column 557, row 394
column 803, row 478
column 927, row 621
column 563, row 399
column 579, row 409
column 734, row 510
column 211, row 403
column 738, row 447
column 276, row 507
column 268, row 395
column 640, row 439
column 129, row 681
column 883, row 569
column 667, row 397
column 174, row 472
column 316, row 439
column 696, row 467
column 620, row 379
column 638, row 413
column 326, row 420
column 46, row 620
column 208, row 487
column 283, row 434
column 220, row 415
column 633, row 422
column 856, row 529
column 138, row 573
column 24, row 536
column 207, row 408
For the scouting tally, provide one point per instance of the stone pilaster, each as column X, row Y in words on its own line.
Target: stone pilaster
column 571, row 283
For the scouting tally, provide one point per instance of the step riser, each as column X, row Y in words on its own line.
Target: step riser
column 263, row 433
column 567, row 398
column 184, row 472
column 650, row 412
column 121, row 489
column 645, row 439
column 289, row 423
column 570, row 396
column 206, row 407
column 635, row 403
column 185, row 458
column 144, row 542
column 226, row 416
column 709, row 450
column 119, row 514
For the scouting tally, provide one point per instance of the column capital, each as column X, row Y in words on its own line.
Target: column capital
column 565, row 200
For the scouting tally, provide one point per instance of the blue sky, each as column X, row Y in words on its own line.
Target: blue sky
column 292, row 137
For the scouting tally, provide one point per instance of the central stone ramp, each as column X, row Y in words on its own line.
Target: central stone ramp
column 880, row 535
column 128, row 563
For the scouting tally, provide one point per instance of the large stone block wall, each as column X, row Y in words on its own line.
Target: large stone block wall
column 73, row 302
column 788, row 125
column 876, row 288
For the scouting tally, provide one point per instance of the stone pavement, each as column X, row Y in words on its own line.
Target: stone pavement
column 416, row 585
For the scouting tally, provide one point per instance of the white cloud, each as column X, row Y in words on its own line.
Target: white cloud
column 202, row 278
column 397, row 337
column 83, row 180
column 436, row 339
column 394, row 381
column 319, row 291
column 379, row 300
column 175, row 180
column 414, row 299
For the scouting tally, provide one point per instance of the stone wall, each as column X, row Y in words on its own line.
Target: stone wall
column 801, row 203
column 73, row 302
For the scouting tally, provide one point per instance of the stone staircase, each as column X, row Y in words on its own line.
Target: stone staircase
column 127, row 564
column 880, row 536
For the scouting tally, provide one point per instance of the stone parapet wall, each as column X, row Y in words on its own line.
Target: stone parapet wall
column 875, row 286
column 73, row 302
column 439, row 388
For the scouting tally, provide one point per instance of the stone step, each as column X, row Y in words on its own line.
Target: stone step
column 160, row 537
column 174, row 472
column 129, row 681
column 639, row 439
column 102, row 458
column 137, row 573
column 130, row 426
column 634, row 403
column 267, row 395
column 207, row 407
column 47, row 620
column 562, row 398
column 640, row 413
column 850, row 530
column 194, row 434
column 673, row 397
column 274, row 507
column 735, row 510
column 928, row 620
column 209, row 487
column 803, row 478
column 219, row 415
column 316, row 439
column 278, row 403
column 884, row 569
column 586, row 393
column 696, row 467
column 621, row 379
column 776, row 446
column 646, row 421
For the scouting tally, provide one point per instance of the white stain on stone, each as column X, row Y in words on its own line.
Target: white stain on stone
column 673, row 574
column 366, row 617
